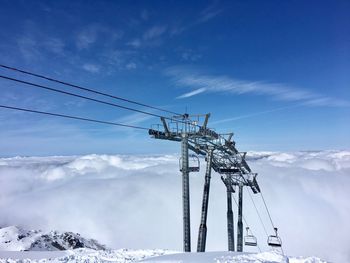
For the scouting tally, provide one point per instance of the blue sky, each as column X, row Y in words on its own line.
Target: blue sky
column 276, row 73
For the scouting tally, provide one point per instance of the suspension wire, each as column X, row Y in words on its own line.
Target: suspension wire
column 77, row 95
column 86, row 89
column 268, row 212
column 257, row 211
column 95, row 100
column 245, row 221
column 73, row 117
column 86, row 98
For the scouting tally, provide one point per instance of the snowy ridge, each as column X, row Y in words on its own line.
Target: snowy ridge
column 14, row 238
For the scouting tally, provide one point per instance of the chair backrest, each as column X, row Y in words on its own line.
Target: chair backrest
column 274, row 241
column 250, row 240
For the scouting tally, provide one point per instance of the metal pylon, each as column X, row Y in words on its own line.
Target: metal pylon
column 227, row 180
column 202, row 234
column 185, row 194
column 226, row 160
column 230, row 227
column 240, row 223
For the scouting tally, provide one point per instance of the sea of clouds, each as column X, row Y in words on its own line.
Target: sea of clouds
column 135, row 201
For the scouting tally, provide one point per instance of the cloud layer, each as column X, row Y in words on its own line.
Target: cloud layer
column 201, row 83
column 135, row 201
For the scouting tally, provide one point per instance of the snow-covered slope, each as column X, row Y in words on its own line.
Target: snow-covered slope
column 82, row 255
column 18, row 245
column 14, row 238
column 231, row 257
column 148, row 256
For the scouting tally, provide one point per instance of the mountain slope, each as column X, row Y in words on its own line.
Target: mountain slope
column 14, row 238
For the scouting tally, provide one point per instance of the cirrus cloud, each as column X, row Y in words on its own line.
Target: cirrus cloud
column 200, row 83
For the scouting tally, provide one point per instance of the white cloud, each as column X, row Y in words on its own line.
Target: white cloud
column 154, row 32
column 119, row 59
column 208, row 13
column 254, row 114
column 87, row 37
column 130, row 201
column 131, row 65
column 134, row 43
column 192, row 93
column 55, row 45
column 152, row 37
column 29, row 47
column 134, row 119
column 204, row 16
column 189, row 55
column 145, row 15
column 224, row 84
column 92, row 68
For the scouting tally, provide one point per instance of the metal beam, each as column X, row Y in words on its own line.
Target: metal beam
column 230, row 227
column 165, row 125
column 185, row 195
column 240, row 223
column 202, row 234
column 205, row 123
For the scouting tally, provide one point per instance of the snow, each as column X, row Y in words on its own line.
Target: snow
column 147, row 256
column 18, row 245
column 14, row 238
column 16, row 256
column 80, row 255
column 221, row 257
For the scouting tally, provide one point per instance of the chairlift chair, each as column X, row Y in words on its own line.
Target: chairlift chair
column 249, row 239
column 193, row 163
column 274, row 240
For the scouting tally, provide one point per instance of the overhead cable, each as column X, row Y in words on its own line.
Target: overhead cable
column 86, row 89
column 257, row 211
column 91, row 99
column 268, row 212
column 245, row 221
column 72, row 117
column 81, row 96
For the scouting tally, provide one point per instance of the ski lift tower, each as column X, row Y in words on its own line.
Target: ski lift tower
column 235, row 171
column 185, row 129
column 221, row 156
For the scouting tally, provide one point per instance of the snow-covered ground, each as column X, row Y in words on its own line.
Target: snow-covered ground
column 20, row 245
column 135, row 201
column 231, row 257
column 147, row 256
column 80, row 255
